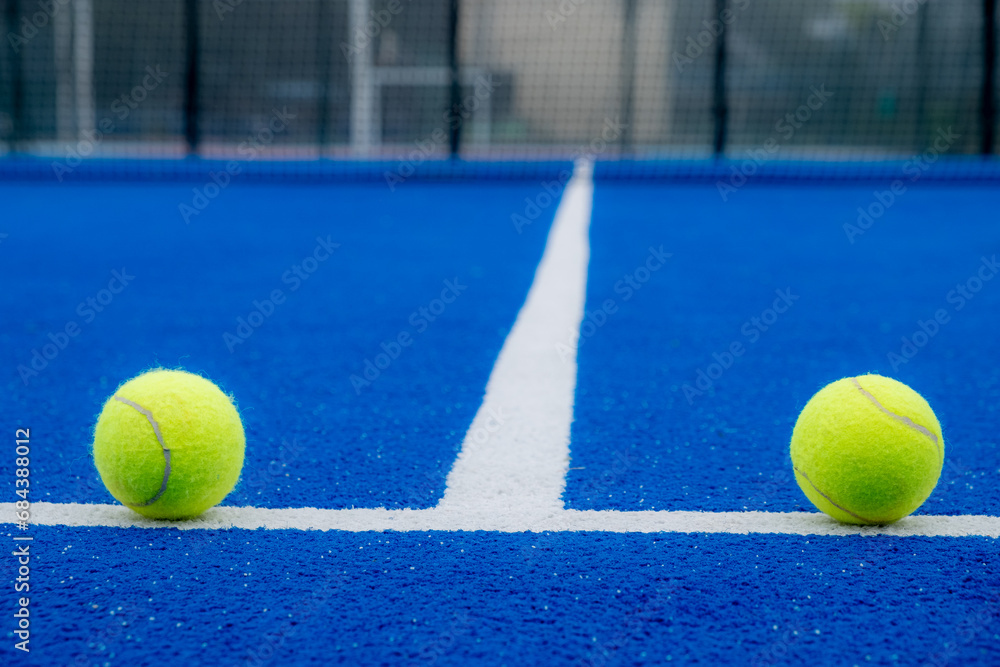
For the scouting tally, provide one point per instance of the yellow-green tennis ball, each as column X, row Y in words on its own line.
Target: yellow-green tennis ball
column 867, row 450
column 169, row 444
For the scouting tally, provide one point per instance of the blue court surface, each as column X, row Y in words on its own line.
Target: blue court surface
column 500, row 421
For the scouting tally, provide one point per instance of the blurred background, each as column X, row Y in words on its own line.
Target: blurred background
column 496, row 79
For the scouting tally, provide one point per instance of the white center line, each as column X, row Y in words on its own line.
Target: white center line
column 516, row 453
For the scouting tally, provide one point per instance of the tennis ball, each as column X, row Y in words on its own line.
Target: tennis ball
column 169, row 444
column 867, row 450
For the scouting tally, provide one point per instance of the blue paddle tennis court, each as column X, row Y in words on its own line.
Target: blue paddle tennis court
column 518, row 305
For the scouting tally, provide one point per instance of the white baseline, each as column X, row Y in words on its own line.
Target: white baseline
column 437, row 519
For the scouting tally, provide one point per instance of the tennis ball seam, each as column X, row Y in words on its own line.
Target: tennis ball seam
column 159, row 438
column 906, row 421
column 830, row 500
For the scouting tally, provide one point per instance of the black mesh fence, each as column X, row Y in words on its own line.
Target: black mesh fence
column 496, row 80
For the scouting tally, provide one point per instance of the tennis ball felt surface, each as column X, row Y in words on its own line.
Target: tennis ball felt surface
column 169, row 444
column 867, row 450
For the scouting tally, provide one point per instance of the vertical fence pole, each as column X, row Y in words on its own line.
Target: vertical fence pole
column 924, row 64
column 629, row 47
column 366, row 91
column 987, row 107
column 83, row 66
column 720, row 103
column 324, row 49
column 17, row 133
column 192, row 35
column 455, row 102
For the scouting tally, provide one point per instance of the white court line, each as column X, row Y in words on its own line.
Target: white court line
column 516, row 452
column 511, row 472
column 437, row 519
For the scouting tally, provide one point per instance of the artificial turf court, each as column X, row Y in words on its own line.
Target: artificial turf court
column 486, row 487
